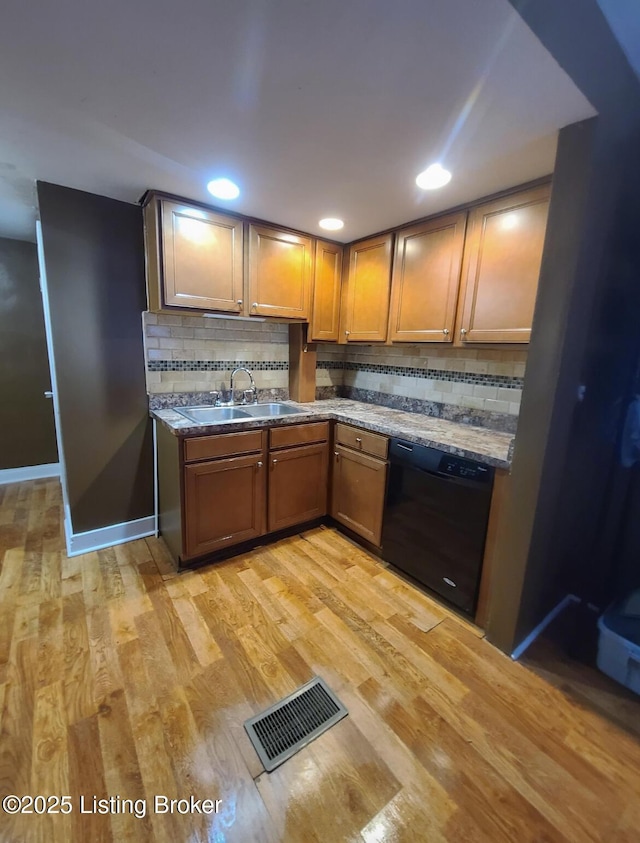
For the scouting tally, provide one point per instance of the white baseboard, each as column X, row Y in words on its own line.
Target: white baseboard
column 78, row 543
column 544, row 623
column 29, row 472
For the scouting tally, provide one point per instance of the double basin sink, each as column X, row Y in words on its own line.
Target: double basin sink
column 218, row 415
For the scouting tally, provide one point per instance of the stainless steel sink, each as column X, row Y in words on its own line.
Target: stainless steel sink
column 216, row 415
column 261, row 411
column 211, row 415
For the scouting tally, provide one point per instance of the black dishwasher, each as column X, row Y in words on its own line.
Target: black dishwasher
column 435, row 519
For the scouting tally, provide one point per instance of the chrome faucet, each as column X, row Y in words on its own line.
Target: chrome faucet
column 253, row 390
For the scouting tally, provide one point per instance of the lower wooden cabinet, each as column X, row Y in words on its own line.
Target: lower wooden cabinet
column 224, row 503
column 297, row 485
column 358, row 490
column 224, row 489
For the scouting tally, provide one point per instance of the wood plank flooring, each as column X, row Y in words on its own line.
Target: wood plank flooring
column 121, row 680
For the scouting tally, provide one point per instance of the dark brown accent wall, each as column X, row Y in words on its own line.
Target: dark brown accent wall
column 550, row 541
column 94, row 257
column 26, row 416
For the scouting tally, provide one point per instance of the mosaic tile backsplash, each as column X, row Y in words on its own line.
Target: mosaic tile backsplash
column 481, row 380
column 188, row 355
column 193, row 354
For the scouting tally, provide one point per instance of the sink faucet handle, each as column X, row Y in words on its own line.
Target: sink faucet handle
column 216, row 397
column 249, row 396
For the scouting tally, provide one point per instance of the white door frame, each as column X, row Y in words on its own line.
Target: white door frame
column 44, row 290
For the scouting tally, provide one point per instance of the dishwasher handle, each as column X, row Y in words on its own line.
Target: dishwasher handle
column 415, row 456
column 439, row 463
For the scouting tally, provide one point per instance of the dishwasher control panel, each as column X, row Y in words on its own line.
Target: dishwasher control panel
column 466, row 469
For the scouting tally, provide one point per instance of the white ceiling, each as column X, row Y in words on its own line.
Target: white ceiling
column 315, row 108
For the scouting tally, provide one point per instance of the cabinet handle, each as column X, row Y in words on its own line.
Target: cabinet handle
column 346, row 333
column 445, row 331
column 358, row 440
column 337, row 455
column 239, row 302
column 274, row 463
column 259, row 464
column 463, row 331
column 254, row 305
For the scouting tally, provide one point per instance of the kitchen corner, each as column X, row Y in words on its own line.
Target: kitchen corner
column 413, row 343
column 382, row 474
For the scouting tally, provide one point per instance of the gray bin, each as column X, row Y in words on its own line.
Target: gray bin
column 619, row 647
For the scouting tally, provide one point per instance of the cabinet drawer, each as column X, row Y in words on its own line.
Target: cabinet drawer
column 298, row 434
column 362, row 440
column 223, row 445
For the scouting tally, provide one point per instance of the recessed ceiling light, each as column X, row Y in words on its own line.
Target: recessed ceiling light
column 223, row 189
column 433, row 177
column 331, row 224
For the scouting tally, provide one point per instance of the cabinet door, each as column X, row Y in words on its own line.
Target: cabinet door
column 503, row 253
column 224, row 503
column 426, row 278
column 358, row 491
column 297, row 485
column 279, row 273
column 201, row 258
column 325, row 311
column 368, row 286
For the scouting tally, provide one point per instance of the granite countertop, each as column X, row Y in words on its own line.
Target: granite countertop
column 479, row 443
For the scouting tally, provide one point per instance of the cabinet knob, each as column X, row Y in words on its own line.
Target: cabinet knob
column 337, row 455
column 274, row 462
column 463, row 331
column 358, row 440
column 254, row 305
column 346, row 333
column 259, row 464
column 445, row 331
column 239, row 302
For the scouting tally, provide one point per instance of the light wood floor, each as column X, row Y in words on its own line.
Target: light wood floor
column 121, row 679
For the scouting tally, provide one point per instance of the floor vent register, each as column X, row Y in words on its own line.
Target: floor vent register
column 289, row 725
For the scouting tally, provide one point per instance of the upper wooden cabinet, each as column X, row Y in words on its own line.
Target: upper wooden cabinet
column 194, row 258
column 466, row 280
column 279, row 273
column 327, row 288
column 367, row 295
column 503, row 253
column 426, row 278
